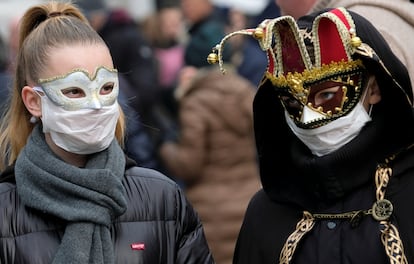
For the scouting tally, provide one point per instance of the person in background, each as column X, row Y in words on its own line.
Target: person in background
column 167, row 37
column 166, row 32
column 68, row 193
column 214, row 155
column 138, row 72
column 247, row 56
column 5, row 76
column 336, row 164
column 8, row 51
column 393, row 19
column 139, row 145
column 133, row 55
column 295, row 8
column 205, row 29
column 12, row 42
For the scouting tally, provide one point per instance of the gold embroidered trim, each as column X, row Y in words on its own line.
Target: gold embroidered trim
column 278, row 68
column 302, row 228
column 390, row 236
column 296, row 80
column 381, row 211
column 92, row 77
column 346, row 35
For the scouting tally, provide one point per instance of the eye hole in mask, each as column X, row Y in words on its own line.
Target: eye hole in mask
column 76, row 92
column 328, row 97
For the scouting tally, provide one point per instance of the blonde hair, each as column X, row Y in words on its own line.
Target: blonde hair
column 43, row 27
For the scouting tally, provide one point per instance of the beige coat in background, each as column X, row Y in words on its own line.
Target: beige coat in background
column 216, row 155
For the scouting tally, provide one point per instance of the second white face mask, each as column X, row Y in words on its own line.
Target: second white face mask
column 332, row 136
column 83, row 131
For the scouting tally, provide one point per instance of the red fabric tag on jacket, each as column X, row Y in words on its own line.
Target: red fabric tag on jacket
column 137, row 246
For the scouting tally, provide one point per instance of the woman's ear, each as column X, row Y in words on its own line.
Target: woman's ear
column 32, row 101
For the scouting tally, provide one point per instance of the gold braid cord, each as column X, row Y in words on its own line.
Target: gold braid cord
column 381, row 211
column 303, row 226
column 390, row 236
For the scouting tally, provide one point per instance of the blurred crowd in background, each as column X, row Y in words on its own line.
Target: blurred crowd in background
column 139, row 10
column 184, row 117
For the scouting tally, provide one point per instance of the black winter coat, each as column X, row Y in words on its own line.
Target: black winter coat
column 342, row 181
column 267, row 225
column 159, row 226
column 295, row 181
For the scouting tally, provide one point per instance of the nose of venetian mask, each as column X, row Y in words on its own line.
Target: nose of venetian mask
column 95, row 103
column 309, row 115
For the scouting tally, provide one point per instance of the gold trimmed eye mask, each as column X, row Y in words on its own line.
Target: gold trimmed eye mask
column 318, row 67
column 78, row 90
column 332, row 96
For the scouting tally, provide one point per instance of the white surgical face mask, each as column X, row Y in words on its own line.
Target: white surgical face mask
column 332, row 136
column 83, row 131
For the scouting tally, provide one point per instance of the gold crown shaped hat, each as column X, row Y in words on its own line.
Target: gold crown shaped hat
column 331, row 42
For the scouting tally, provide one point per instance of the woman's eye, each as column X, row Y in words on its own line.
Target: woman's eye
column 325, row 95
column 107, row 88
column 73, row 92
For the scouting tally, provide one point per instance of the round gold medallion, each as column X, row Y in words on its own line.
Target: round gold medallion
column 382, row 210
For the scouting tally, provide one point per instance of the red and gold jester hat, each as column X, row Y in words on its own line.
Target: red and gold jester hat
column 302, row 65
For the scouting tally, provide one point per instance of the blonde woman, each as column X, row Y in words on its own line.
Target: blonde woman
column 68, row 193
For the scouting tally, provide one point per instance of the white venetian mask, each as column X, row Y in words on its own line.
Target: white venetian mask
column 92, row 86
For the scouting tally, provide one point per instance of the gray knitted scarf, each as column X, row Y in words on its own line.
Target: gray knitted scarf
column 88, row 198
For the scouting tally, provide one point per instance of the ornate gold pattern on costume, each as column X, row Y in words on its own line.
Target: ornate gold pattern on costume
column 390, row 236
column 393, row 246
column 302, row 228
column 381, row 211
column 269, row 35
column 299, row 85
column 345, row 34
column 290, row 67
column 315, row 74
column 354, row 217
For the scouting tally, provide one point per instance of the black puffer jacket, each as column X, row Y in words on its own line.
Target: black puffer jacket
column 150, row 231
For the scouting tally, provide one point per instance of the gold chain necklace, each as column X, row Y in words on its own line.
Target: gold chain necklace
column 381, row 211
